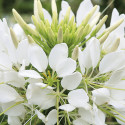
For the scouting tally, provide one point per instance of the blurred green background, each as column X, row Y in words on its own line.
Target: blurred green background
column 25, row 7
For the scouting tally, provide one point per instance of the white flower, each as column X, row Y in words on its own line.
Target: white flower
column 90, row 56
column 93, row 116
column 51, row 118
column 12, row 120
column 101, row 96
column 38, row 96
column 79, row 99
column 83, row 11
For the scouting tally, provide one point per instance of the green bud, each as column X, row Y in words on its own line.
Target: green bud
column 90, row 14
column 54, row 12
column 75, row 53
column 66, row 18
column 40, row 10
column 99, row 26
column 14, row 38
column 18, row 18
column 113, row 27
column 30, row 39
column 27, row 29
column 96, row 19
column 51, row 37
column 115, row 45
column 104, row 37
column 71, row 21
column 36, row 10
column 60, row 35
column 35, row 21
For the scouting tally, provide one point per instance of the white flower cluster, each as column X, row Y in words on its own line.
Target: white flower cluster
column 62, row 71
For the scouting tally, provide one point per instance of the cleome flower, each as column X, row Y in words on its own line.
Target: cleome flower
column 63, row 69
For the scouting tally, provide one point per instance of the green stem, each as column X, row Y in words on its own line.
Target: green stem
column 107, row 112
column 115, row 111
column 10, row 107
column 68, row 119
column 57, row 103
column 105, row 86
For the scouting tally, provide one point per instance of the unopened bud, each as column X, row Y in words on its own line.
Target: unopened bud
column 95, row 20
column 36, row 10
column 90, row 14
column 104, row 37
column 60, row 35
column 22, row 23
column 113, row 27
column 66, row 18
column 115, row 45
column 40, row 10
column 19, row 19
column 30, row 39
column 99, row 25
column 75, row 53
column 14, row 38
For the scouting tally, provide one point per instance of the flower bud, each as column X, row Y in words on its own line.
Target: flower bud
column 95, row 20
column 90, row 14
column 99, row 25
column 104, row 37
column 36, row 10
column 113, row 27
column 27, row 29
column 60, row 35
column 75, row 53
column 111, row 46
column 115, row 45
column 30, row 39
column 14, row 38
column 40, row 10
column 66, row 18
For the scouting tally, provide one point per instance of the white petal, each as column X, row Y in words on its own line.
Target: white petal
column 118, row 94
column 52, row 117
column 81, row 63
column 22, row 52
column 116, row 77
column 36, row 95
column 86, row 115
column 67, row 107
column 30, row 74
column 112, row 61
column 13, row 120
column 95, row 51
column 58, row 54
column 78, row 98
column 11, row 77
column 19, row 32
column 99, row 116
column 118, row 104
column 120, row 122
column 17, row 110
column 5, row 62
column 40, row 115
column 101, row 96
column 38, row 58
column 66, row 67
column 71, row 82
column 64, row 6
column 8, row 94
column 83, row 10
column 47, row 16
column 80, row 121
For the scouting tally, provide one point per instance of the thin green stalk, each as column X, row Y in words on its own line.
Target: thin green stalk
column 10, row 107
column 57, row 103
